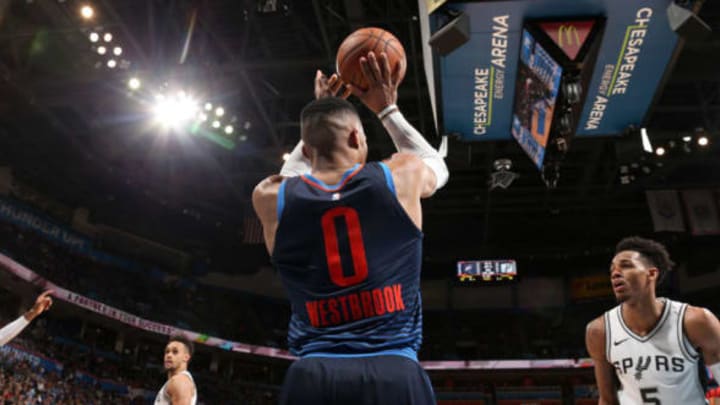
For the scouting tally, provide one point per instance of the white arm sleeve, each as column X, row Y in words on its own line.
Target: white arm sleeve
column 408, row 139
column 12, row 329
column 296, row 164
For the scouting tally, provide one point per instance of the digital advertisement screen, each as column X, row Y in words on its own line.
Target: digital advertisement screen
column 469, row 271
column 536, row 92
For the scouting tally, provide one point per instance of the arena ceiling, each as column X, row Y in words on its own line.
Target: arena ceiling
column 75, row 132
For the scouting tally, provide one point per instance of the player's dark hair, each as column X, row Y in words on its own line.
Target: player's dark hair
column 654, row 253
column 185, row 341
column 318, row 130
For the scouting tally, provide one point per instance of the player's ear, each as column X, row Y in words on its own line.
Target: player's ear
column 354, row 140
column 306, row 151
column 653, row 274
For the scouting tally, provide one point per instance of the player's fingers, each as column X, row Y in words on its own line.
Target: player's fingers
column 334, row 83
column 385, row 64
column 395, row 77
column 375, row 67
column 355, row 91
column 366, row 70
column 347, row 92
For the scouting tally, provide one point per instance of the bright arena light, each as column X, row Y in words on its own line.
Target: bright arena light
column 660, row 151
column 174, row 112
column 286, row 156
column 87, row 12
column 107, row 37
column 94, row 37
column 216, row 124
column 703, row 141
column 647, row 146
column 208, row 106
column 102, row 50
column 687, row 138
column 117, row 51
column 219, row 111
column 229, row 129
column 203, row 117
column 111, row 63
column 134, row 83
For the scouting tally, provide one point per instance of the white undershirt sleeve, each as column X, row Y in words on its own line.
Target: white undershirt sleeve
column 408, row 139
column 12, row 329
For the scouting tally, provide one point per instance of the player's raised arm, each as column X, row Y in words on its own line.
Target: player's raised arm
column 381, row 98
column 42, row 303
column 595, row 343
column 703, row 330
column 264, row 199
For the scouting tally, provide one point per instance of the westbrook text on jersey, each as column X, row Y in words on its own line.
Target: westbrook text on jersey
column 355, row 306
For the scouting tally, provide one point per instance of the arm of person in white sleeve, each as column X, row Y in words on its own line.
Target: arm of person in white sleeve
column 381, row 98
column 297, row 164
column 9, row 331
column 407, row 139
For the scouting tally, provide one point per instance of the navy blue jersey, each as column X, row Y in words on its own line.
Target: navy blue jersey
column 350, row 257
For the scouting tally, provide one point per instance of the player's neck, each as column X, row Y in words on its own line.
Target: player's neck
column 173, row 373
column 642, row 314
column 332, row 168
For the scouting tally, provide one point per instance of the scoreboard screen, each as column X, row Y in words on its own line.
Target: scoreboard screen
column 469, row 271
column 536, row 91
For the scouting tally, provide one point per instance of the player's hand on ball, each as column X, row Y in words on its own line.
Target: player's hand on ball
column 329, row 87
column 382, row 83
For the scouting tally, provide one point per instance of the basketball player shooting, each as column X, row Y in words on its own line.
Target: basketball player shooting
column 650, row 350
column 345, row 236
column 180, row 387
column 42, row 303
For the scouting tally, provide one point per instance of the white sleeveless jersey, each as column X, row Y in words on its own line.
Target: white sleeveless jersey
column 661, row 368
column 163, row 398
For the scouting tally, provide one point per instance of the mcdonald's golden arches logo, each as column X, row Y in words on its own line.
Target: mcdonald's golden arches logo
column 568, row 36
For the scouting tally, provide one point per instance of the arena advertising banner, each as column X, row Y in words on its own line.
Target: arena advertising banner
column 590, row 287
column 17, row 214
column 9, row 265
column 478, row 79
column 17, row 354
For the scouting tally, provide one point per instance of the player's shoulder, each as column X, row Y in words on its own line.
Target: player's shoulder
column 596, row 327
column 268, row 186
column 404, row 161
column 181, row 380
column 595, row 337
column 697, row 316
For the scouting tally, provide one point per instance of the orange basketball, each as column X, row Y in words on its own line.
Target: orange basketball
column 358, row 44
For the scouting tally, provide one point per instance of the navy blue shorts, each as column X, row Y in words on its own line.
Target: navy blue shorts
column 376, row 380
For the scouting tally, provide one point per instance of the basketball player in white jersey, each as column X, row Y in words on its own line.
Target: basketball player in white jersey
column 180, row 387
column 42, row 303
column 647, row 350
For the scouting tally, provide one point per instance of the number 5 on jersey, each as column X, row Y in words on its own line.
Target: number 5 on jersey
column 647, row 395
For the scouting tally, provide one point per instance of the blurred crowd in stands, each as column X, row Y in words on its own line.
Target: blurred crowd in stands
column 69, row 360
column 177, row 301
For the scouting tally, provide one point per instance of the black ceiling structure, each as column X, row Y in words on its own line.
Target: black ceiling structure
column 73, row 130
